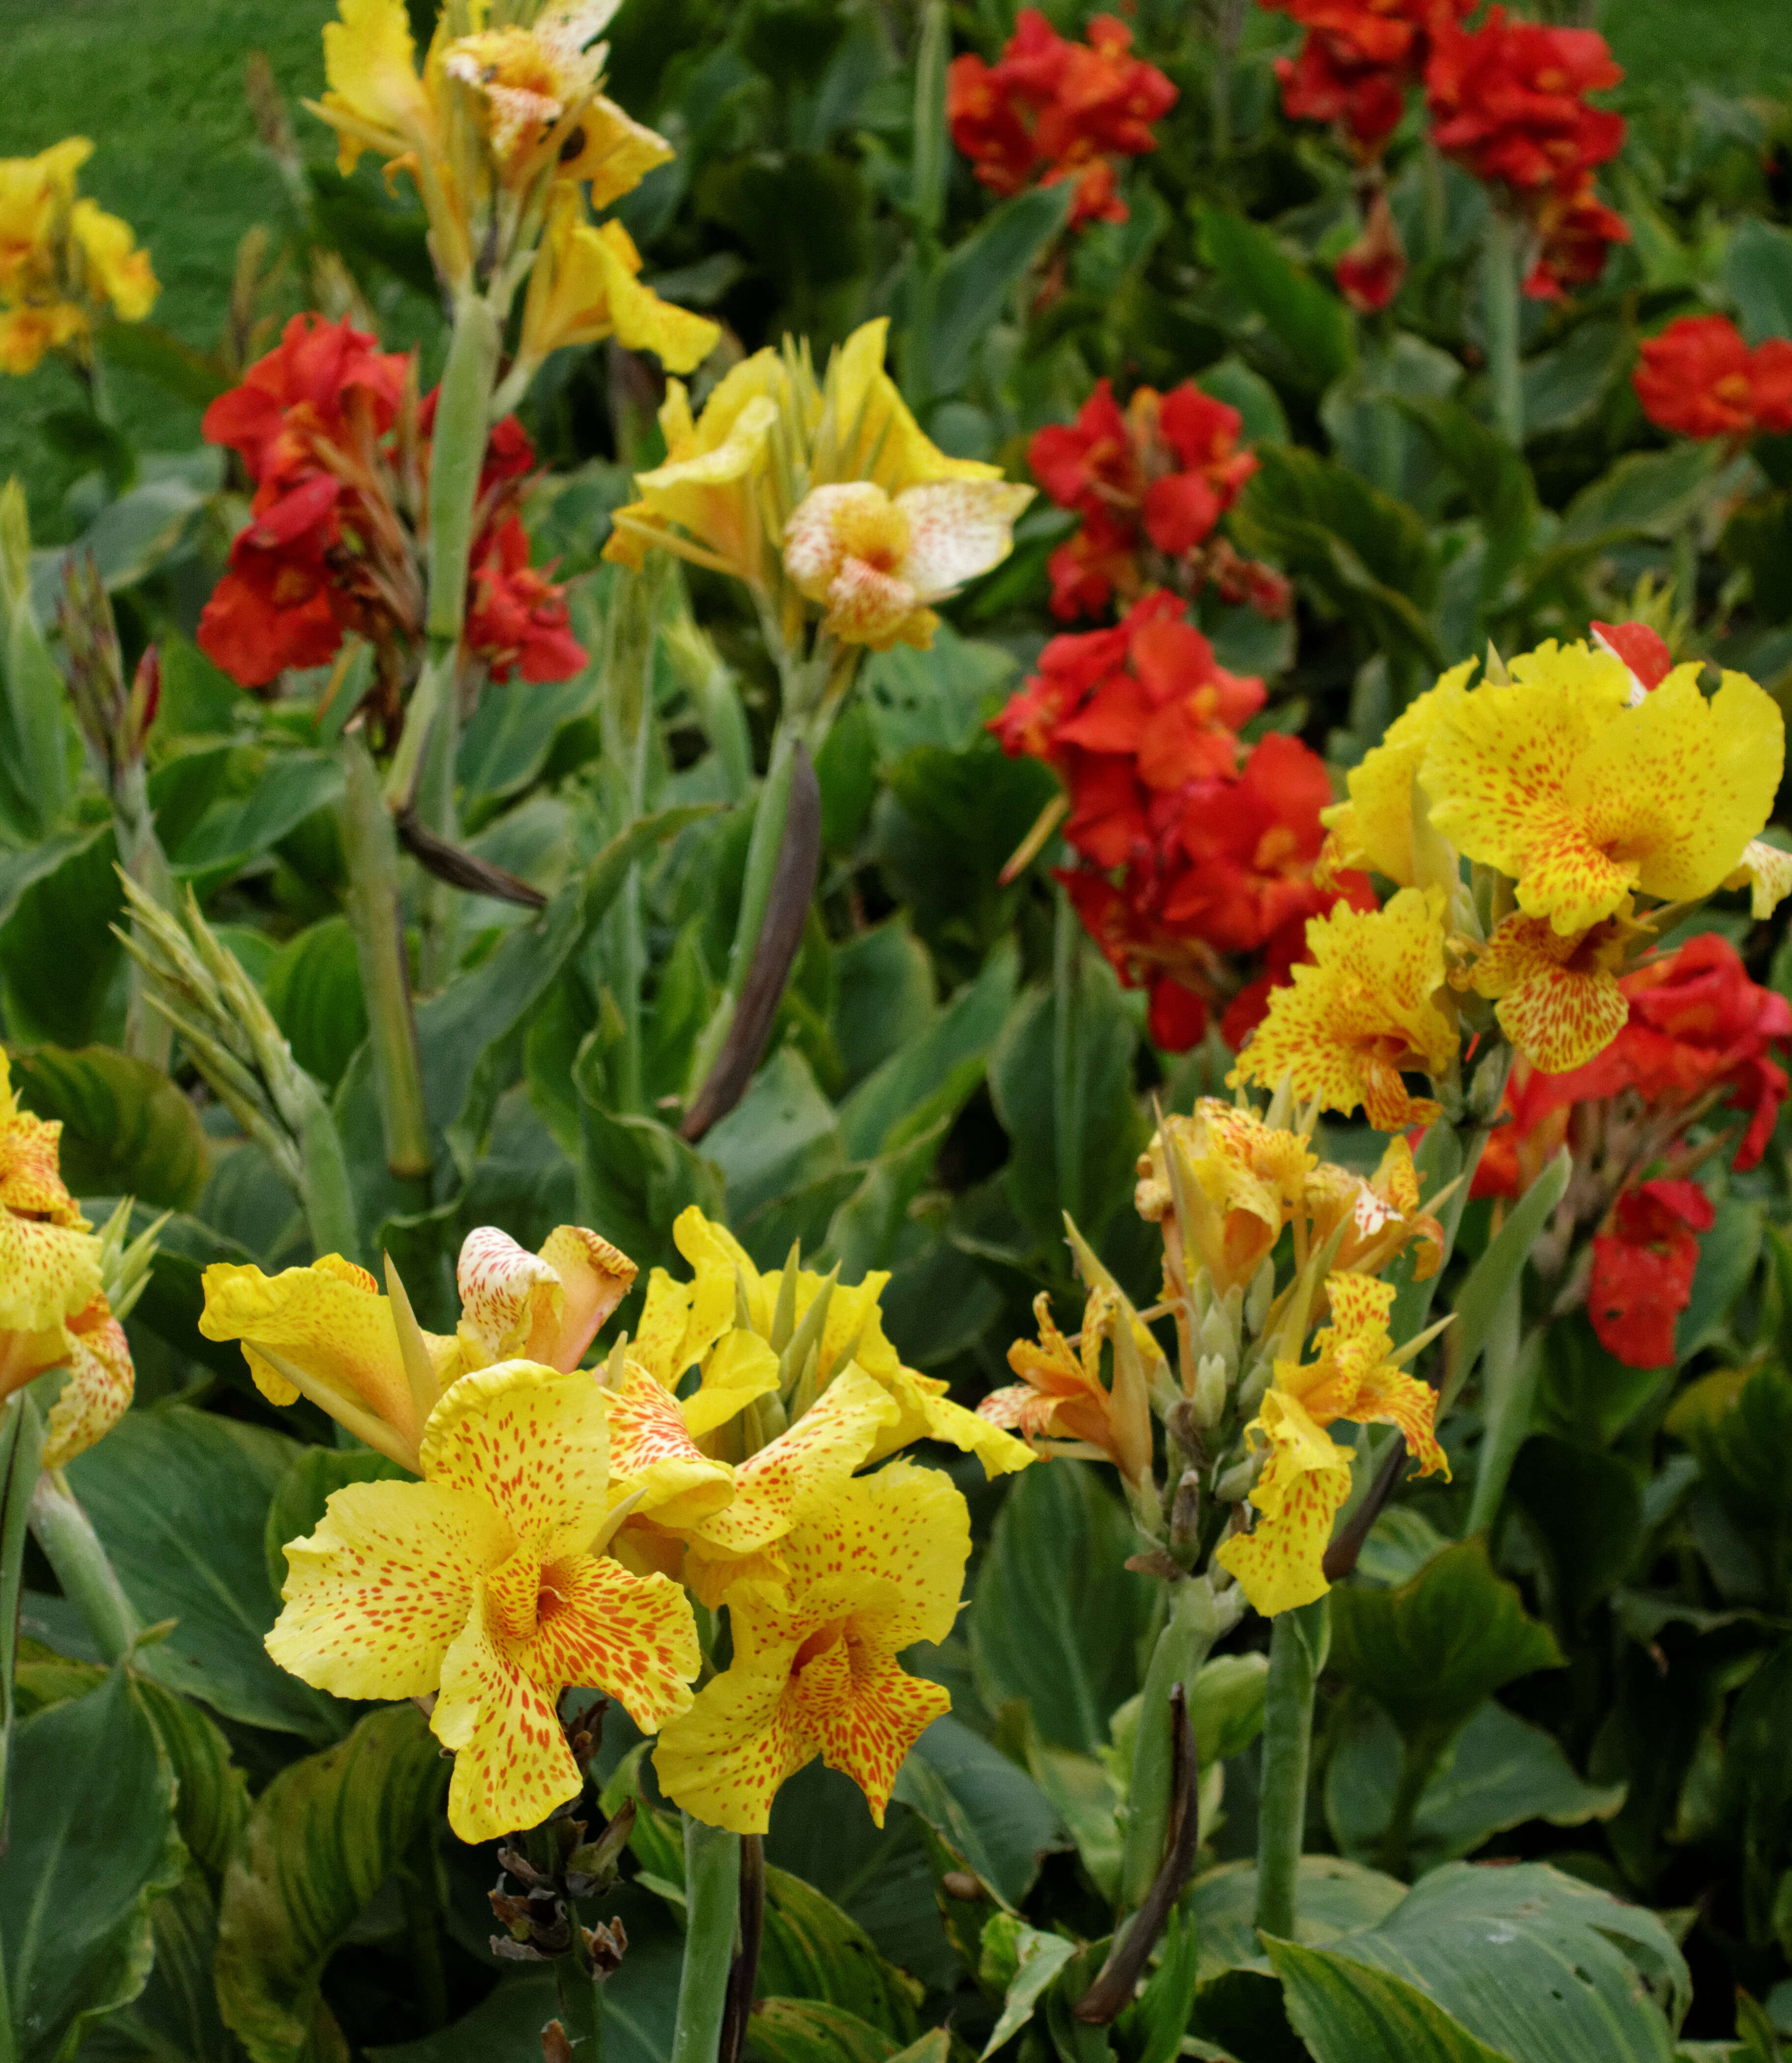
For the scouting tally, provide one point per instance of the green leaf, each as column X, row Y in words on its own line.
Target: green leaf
column 636, row 1175
column 939, row 697
column 211, row 1801
column 58, row 956
column 292, row 786
column 1727, row 1257
column 813, row 1950
column 1308, row 324
column 1494, row 473
column 933, row 1075
column 1563, row 387
column 1225, row 1707
column 126, row 1129
column 805, row 2031
column 1431, row 1651
column 1494, row 1274
column 179, row 1500
column 1500, row 1773
column 1644, row 494
column 132, row 536
column 1233, row 382
column 992, row 1816
column 1056, row 1618
column 1538, row 1965
column 1037, row 1958
column 91, row 1841
column 175, row 2015
column 782, row 1135
column 1333, row 1896
column 971, row 292
column 1586, row 1510
column 1757, row 277
column 1346, row 2013
column 37, row 742
column 314, row 989
column 302, row 1494
column 196, row 377
column 1745, row 1457
column 506, row 744
column 21, row 1459
column 324, row 1836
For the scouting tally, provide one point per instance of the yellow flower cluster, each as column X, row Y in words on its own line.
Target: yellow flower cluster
column 825, row 497
column 64, row 262
column 1579, row 800
column 503, row 131
column 53, row 1310
column 566, row 1518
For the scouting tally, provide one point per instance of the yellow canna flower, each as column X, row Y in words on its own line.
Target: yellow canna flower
column 1247, row 1177
column 1560, row 1001
column 535, row 82
column 1306, row 1477
column 583, row 286
column 877, row 562
column 52, row 1311
column 1374, row 828
column 1380, row 1216
column 63, row 261
column 113, row 269
column 874, row 1569
column 1581, row 797
column 1348, row 1025
column 1767, row 871
column 1060, row 1397
column 36, row 195
column 28, row 335
column 326, row 1332
column 480, row 1585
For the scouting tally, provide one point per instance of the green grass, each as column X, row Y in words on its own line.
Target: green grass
column 1735, row 45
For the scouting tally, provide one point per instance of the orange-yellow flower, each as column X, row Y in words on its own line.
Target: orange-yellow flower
column 1306, row 1477
column 1767, row 871
column 867, row 1572
column 1247, row 1176
column 63, row 260
column 1347, row 1026
column 1062, row 1400
column 1559, row 1000
column 479, row 1586
column 1583, row 797
column 1378, row 1216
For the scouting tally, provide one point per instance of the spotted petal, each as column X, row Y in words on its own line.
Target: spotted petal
column 958, row 528
column 632, row 1637
column 652, row 1453
column 865, row 1713
column 1279, row 1562
column 511, row 1763
column 724, row 1760
column 101, row 1382
column 1766, row 869
column 531, row 1442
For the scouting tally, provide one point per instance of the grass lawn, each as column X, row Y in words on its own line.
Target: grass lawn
column 1736, row 45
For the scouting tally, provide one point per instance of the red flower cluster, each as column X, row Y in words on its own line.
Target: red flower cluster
column 1071, row 108
column 1358, row 60
column 1509, row 103
column 1191, row 846
column 1150, row 484
column 1699, row 378
column 1699, row 1031
column 331, row 432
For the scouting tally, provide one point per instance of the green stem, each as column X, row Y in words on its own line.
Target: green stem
column 21, row 1454
column 377, row 916
column 1418, row 1759
column 931, row 164
column 423, row 1928
column 1297, row 1650
column 1183, row 1645
column 438, row 904
column 713, row 1900
column 1511, row 1368
column 324, row 1188
column 1500, row 318
column 579, row 1996
column 625, row 720
column 1066, row 1119
column 148, row 1036
column 88, row 1581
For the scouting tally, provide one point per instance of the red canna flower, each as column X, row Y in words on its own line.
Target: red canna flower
column 1358, row 60
column 1643, row 1269
column 1699, row 378
column 1051, row 110
column 517, row 618
column 1371, row 272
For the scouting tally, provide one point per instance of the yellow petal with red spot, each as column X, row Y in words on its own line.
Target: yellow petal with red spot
column 631, row 1637
column 513, row 1766
column 864, row 1713
column 101, row 1382
column 926, row 1412
column 741, row 1367
column 1374, row 829
column 652, row 1452
column 378, row 1595
column 544, row 1307
column 1390, row 1397
column 724, row 1761
column 532, row 1441
column 1560, row 1002
column 1306, row 1477
column 1767, row 871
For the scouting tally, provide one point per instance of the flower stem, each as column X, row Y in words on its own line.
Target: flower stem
column 713, row 1896
column 1297, row 1651
column 73, row 1549
column 1499, row 316
column 377, row 919
column 1194, row 1624
column 1418, row 1759
column 21, row 1454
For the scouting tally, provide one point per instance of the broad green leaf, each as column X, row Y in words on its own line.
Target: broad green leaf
column 782, row 1135
column 1347, row 2014
column 175, row 2015
column 939, row 697
column 1540, row 1966
column 37, row 743
column 1586, row 1510
column 1225, row 1707
column 636, row 1175
column 304, row 1492
column 292, row 786
column 91, row 1841
column 132, row 536
column 805, row 2031
column 179, row 1498
column 126, row 1129
column 1056, row 1618
column 1333, row 1897
column 1493, row 474
column 314, row 989
column 323, row 1838
column 196, row 377
column 1088, row 1798
column 931, row 1076
column 1307, row 322
column 21, row 1458
column 1363, row 413
column 1745, row 1457
column 1563, row 386
column 1431, row 1651
column 993, row 1817
column 1499, row 1773
column 971, row 292
column 1646, row 493
column 1726, row 1258
column 211, row 1799
column 1233, row 382
column 1758, row 276
column 813, row 1950
column 1038, row 1958
column 869, row 1227
column 58, row 958
column 506, row 743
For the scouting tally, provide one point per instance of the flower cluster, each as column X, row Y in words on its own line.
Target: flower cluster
column 1358, row 59
column 53, row 1309
column 1581, row 793
column 1224, row 1185
column 1699, row 1041
column 1192, row 847
column 1050, row 111
column 65, row 264
column 1507, row 101
column 1149, row 485
column 563, row 1514
column 331, row 433
column 823, row 497
column 1699, row 378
